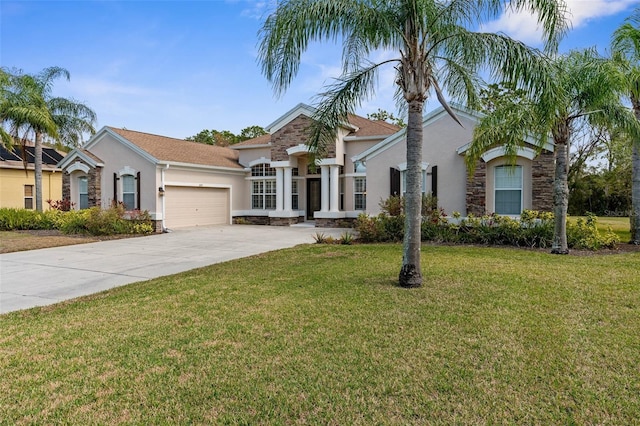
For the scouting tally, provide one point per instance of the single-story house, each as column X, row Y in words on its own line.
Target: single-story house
column 268, row 180
column 17, row 185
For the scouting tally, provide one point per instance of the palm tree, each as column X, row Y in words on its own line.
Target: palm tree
column 625, row 44
column 436, row 53
column 585, row 89
column 29, row 108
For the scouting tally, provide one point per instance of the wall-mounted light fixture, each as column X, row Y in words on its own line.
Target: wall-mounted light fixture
column 161, row 191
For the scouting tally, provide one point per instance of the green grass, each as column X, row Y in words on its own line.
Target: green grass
column 618, row 225
column 320, row 335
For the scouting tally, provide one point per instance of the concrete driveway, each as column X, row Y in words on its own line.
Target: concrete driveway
column 47, row 276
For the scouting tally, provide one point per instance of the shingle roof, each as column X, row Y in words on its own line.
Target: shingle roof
column 260, row 140
column 367, row 127
column 181, row 151
column 91, row 155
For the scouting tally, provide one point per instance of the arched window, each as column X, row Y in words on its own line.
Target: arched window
column 508, row 190
column 83, row 192
column 129, row 191
column 263, row 187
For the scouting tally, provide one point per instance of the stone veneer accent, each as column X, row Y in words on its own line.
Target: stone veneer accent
column 542, row 171
column 157, row 226
column 265, row 220
column 477, row 190
column 93, row 182
column 335, row 223
column 293, row 134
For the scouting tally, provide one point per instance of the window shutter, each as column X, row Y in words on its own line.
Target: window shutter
column 115, row 188
column 434, row 181
column 394, row 181
column 138, row 191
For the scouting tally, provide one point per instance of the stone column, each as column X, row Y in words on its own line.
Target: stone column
column 287, row 188
column 279, row 188
column 324, row 182
column 334, row 189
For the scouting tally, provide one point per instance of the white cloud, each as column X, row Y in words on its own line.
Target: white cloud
column 524, row 26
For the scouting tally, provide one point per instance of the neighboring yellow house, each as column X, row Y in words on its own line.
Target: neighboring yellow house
column 17, row 186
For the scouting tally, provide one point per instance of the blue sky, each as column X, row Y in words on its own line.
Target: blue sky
column 177, row 67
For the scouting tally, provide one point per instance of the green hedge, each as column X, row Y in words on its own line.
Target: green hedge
column 93, row 221
column 533, row 229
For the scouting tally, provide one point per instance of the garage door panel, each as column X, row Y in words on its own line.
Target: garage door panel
column 195, row 206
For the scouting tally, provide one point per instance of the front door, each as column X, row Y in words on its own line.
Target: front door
column 313, row 197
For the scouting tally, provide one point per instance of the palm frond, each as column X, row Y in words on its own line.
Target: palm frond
column 335, row 104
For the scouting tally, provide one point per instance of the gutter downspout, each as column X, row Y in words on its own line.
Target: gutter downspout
column 166, row 167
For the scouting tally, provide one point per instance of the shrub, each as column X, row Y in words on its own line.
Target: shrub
column 533, row 229
column 584, row 234
column 74, row 222
column 346, row 238
column 22, row 219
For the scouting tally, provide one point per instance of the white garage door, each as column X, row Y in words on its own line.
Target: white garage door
column 191, row 206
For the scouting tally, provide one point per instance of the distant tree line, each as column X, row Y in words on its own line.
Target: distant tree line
column 225, row 137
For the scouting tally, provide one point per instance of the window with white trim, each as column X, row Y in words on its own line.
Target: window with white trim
column 28, row 197
column 263, row 187
column 128, row 191
column 508, row 190
column 403, row 181
column 360, row 193
column 294, row 194
column 83, row 192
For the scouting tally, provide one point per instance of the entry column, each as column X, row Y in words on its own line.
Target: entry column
column 324, row 197
column 287, row 188
column 279, row 188
column 335, row 188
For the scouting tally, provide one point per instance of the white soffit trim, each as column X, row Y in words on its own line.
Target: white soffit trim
column 289, row 163
column 260, row 160
column 403, row 166
column 299, row 149
column 300, row 109
column 428, row 119
column 75, row 154
column 126, row 170
column 494, row 153
column 77, row 166
column 330, row 162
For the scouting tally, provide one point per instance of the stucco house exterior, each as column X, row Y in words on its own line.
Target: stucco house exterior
column 268, row 180
column 17, row 186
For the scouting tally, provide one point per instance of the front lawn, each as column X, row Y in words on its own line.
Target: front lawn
column 319, row 334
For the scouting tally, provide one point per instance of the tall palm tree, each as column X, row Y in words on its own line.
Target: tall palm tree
column 436, row 53
column 29, row 108
column 625, row 44
column 585, row 89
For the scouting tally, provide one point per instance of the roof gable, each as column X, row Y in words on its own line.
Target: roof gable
column 433, row 116
column 163, row 149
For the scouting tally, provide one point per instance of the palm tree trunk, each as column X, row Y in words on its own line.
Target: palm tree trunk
column 411, row 272
column 37, row 165
column 635, row 194
column 560, row 198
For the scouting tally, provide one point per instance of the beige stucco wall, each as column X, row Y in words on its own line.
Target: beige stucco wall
column 246, row 156
column 211, row 178
column 12, row 182
column 117, row 156
column 441, row 138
